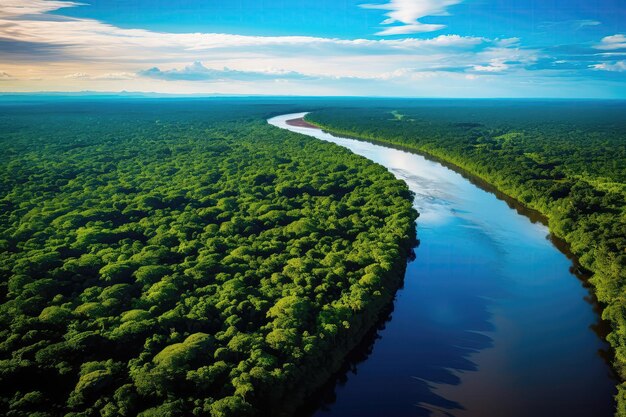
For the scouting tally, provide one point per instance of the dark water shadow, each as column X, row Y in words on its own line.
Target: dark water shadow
column 601, row 327
column 433, row 354
column 438, row 371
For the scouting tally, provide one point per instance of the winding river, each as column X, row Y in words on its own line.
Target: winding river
column 491, row 321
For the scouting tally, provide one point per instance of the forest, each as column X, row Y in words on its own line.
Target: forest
column 164, row 258
column 565, row 159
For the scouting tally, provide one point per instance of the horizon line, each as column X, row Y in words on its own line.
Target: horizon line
column 153, row 94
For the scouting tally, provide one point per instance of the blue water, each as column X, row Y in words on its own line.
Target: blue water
column 491, row 321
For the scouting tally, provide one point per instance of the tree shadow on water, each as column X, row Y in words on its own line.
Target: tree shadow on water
column 424, row 339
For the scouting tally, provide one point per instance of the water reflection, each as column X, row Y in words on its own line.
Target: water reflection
column 490, row 321
column 427, row 340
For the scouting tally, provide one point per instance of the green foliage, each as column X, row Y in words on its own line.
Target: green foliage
column 565, row 160
column 184, row 258
column 230, row 407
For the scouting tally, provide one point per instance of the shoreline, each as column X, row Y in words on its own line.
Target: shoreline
column 600, row 327
column 300, row 122
column 604, row 327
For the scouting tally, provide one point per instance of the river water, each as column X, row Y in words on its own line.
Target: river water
column 491, row 321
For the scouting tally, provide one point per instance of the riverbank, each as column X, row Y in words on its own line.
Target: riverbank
column 592, row 275
column 300, row 122
column 453, row 342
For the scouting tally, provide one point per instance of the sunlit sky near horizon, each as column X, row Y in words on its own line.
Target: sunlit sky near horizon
column 405, row 48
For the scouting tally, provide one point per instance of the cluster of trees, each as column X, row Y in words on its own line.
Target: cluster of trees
column 169, row 258
column 565, row 160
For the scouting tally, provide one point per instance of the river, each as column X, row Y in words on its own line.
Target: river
column 491, row 321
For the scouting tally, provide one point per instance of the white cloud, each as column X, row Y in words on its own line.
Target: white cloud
column 509, row 55
column 495, row 65
column 90, row 40
column 11, row 8
column 613, row 42
column 86, row 47
column 565, row 25
column 409, row 12
column 619, row 66
column 410, row 29
column 115, row 76
column 105, row 76
column 585, row 22
column 509, row 42
column 5, row 76
column 77, row 76
column 78, row 53
column 198, row 72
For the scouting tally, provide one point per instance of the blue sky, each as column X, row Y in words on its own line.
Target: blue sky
column 416, row 48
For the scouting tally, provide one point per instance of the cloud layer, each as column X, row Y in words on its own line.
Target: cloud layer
column 198, row 72
column 45, row 51
column 408, row 14
column 612, row 43
column 618, row 66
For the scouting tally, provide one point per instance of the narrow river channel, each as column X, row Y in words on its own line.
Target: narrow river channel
column 491, row 321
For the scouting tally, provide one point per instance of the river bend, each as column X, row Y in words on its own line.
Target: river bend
column 491, row 321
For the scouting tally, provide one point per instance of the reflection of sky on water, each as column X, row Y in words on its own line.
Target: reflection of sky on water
column 433, row 205
column 440, row 192
column 490, row 321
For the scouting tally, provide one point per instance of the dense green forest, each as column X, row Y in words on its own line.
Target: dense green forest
column 565, row 159
column 163, row 258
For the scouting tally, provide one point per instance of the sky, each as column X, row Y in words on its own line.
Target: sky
column 395, row 48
